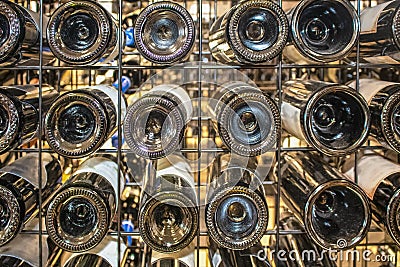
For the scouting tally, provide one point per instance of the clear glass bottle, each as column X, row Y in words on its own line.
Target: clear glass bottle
column 103, row 255
column 247, row 120
column 164, row 32
column 379, row 33
column 384, row 104
column 19, row 191
column 236, row 213
column 169, row 213
column 380, row 179
column 250, row 257
column 79, row 216
column 14, row 254
column 183, row 258
column 83, row 32
column 155, row 122
column 333, row 118
column 334, row 210
column 80, row 121
column 19, row 34
column 19, row 113
column 322, row 30
column 253, row 31
column 298, row 243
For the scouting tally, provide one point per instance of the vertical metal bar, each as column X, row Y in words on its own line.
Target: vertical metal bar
column 90, row 77
column 357, row 89
column 278, row 151
column 15, row 73
column 199, row 95
column 215, row 18
column 119, row 185
column 40, row 129
column 76, row 78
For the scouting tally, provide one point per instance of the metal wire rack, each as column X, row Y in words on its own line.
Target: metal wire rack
column 204, row 13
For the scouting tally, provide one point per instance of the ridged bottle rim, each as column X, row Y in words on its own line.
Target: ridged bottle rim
column 178, row 54
column 307, row 119
column 93, row 53
column 240, row 49
column 245, row 242
column 132, row 114
column 396, row 27
column 386, row 118
column 184, row 203
column 90, row 240
column 13, row 123
column 308, row 214
column 313, row 54
column 12, row 42
column 393, row 217
column 13, row 226
column 246, row 149
column 57, row 143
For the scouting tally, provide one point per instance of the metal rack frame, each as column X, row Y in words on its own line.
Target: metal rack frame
column 202, row 50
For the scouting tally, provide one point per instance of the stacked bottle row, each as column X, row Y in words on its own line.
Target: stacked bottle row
column 334, row 119
column 252, row 32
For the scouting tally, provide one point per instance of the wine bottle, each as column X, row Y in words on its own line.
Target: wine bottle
column 80, row 121
column 236, row 211
column 389, row 74
column 103, row 255
column 183, row 258
column 170, row 262
column 330, row 117
column 164, row 32
column 136, row 76
column 246, row 119
column 250, row 257
column 19, row 113
column 79, row 217
column 155, row 123
column 379, row 33
column 19, row 191
column 379, row 178
column 15, row 254
column 298, row 243
column 322, row 31
column 19, row 34
column 83, row 32
column 384, row 104
column 168, row 213
column 253, row 31
column 334, row 210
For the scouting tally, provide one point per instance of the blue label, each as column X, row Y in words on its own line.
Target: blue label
column 129, row 40
column 126, row 84
column 128, row 227
column 114, row 140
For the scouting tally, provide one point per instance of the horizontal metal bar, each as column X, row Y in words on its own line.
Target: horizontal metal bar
column 188, row 150
column 203, row 233
column 206, row 66
column 266, row 182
